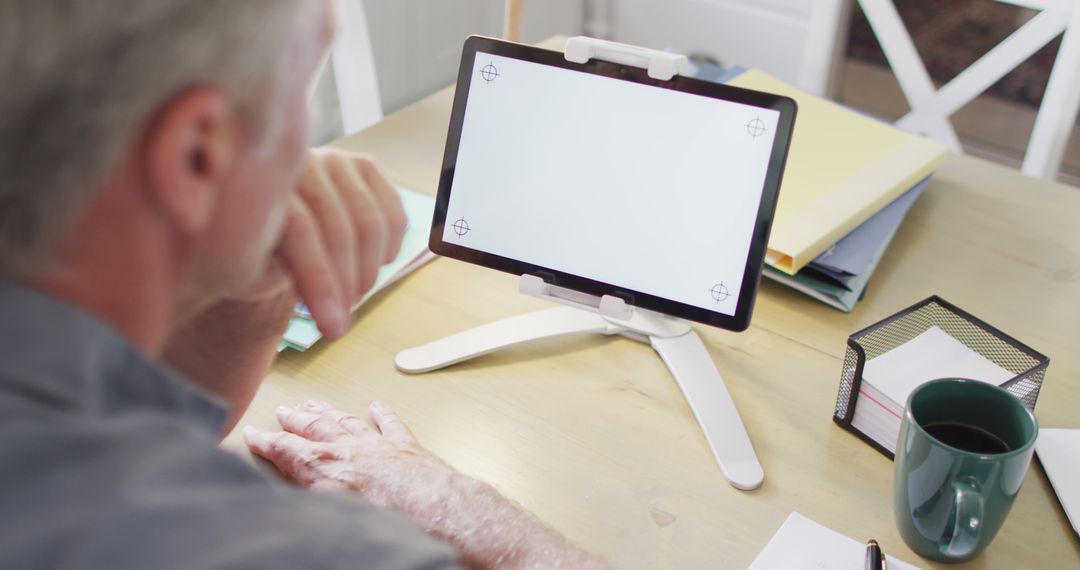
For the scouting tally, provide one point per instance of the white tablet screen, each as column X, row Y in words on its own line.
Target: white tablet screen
column 649, row 189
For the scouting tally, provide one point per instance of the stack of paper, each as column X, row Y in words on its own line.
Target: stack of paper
column 889, row 379
column 802, row 544
column 848, row 183
column 303, row 333
column 839, row 276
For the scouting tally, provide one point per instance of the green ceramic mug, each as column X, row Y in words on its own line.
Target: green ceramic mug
column 963, row 450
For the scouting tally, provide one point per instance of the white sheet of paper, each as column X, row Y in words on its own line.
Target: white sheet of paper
column 931, row 355
column 802, row 544
column 1059, row 453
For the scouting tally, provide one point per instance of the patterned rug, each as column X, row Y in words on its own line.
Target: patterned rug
column 952, row 34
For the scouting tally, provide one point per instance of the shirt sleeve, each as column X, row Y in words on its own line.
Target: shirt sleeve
column 149, row 492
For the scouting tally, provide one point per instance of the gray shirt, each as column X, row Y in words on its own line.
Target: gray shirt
column 109, row 461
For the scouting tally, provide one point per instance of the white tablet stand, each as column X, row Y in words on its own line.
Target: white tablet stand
column 676, row 342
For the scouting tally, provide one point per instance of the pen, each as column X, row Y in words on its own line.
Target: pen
column 875, row 558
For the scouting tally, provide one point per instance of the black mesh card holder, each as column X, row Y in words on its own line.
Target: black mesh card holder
column 1028, row 365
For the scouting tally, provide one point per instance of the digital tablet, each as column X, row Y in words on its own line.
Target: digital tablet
column 600, row 179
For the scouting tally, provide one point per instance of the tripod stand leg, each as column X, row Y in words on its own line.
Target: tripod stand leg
column 711, row 403
column 494, row 336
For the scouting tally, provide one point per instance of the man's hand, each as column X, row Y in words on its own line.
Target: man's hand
column 327, row 449
column 343, row 224
column 344, row 221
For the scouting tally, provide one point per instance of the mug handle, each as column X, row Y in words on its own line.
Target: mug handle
column 968, row 510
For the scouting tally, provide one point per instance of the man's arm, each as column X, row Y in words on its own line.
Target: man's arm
column 345, row 221
column 328, row 450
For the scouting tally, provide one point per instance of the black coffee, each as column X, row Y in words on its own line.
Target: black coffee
column 966, row 437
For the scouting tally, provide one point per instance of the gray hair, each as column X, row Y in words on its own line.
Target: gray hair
column 81, row 77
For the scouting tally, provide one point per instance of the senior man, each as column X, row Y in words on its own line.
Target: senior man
column 159, row 217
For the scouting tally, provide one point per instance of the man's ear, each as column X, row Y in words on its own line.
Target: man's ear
column 190, row 150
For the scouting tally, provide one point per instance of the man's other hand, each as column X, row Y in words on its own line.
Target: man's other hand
column 329, row 450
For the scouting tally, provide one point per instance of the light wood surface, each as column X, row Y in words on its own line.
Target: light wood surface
column 593, row 436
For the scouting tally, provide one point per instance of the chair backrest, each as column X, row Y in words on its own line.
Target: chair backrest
column 932, row 107
column 354, row 68
column 826, row 35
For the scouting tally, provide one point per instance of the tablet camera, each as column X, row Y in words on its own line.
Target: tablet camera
column 756, row 127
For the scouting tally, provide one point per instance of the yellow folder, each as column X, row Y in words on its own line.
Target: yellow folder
column 842, row 168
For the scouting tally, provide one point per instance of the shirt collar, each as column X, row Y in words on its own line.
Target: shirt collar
column 56, row 355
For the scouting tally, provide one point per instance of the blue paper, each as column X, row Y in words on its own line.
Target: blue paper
column 852, row 254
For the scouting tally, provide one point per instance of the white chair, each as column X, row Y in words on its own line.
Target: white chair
column 931, row 108
column 826, row 35
column 354, row 69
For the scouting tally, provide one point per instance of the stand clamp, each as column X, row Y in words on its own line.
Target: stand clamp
column 661, row 65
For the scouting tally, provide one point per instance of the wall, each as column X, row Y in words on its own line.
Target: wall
column 417, row 46
column 417, row 43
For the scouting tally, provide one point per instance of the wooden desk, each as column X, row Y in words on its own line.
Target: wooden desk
column 593, row 435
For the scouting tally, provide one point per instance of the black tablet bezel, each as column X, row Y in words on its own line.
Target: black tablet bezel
column 767, row 207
